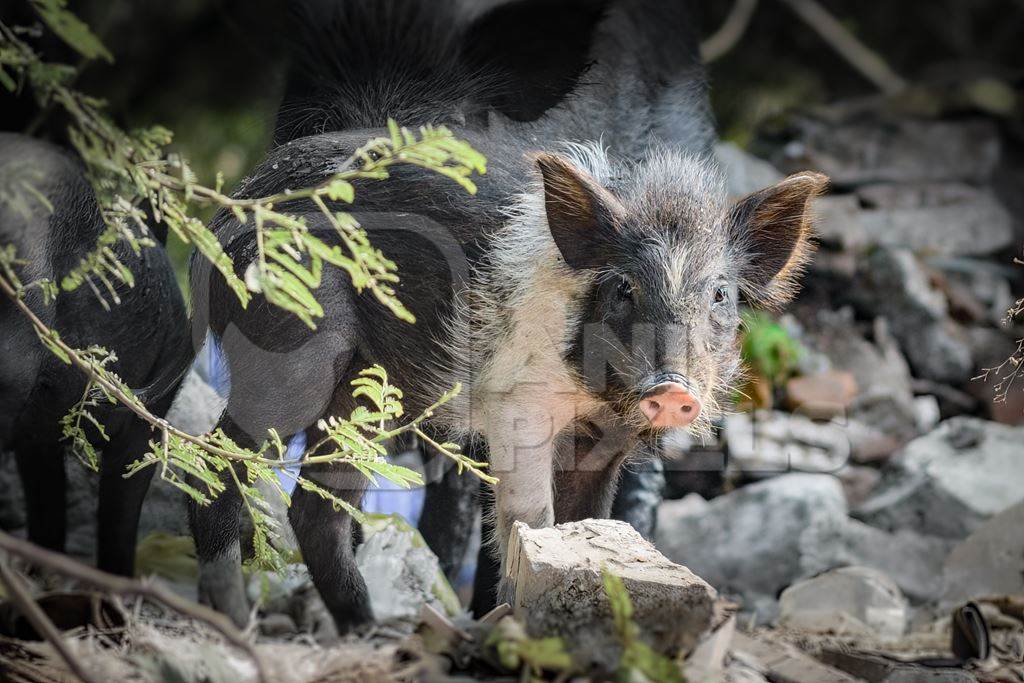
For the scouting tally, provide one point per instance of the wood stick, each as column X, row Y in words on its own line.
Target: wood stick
column 30, row 609
column 729, row 33
column 859, row 55
column 124, row 586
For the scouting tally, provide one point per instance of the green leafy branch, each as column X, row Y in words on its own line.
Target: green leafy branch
column 131, row 170
column 135, row 179
column 359, row 441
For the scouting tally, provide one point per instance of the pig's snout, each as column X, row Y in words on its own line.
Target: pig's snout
column 669, row 404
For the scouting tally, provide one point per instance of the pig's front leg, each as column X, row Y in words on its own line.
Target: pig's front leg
column 521, row 445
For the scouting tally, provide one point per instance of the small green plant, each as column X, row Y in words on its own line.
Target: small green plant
column 532, row 656
column 768, row 350
column 639, row 662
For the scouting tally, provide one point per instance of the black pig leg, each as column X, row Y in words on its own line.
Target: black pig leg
column 325, row 535
column 120, row 498
column 588, row 460
column 41, row 467
column 215, row 529
column 325, row 539
column 640, row 492
column 449, row 508
column 488, row 565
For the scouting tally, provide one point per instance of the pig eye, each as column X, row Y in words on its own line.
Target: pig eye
column 721, row 295
column 625, row 289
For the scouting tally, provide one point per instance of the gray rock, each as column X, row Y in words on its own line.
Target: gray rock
column 751, row 541
column 744, row 172
column 897, row 287
column 402, row 574
column 989, row 561
column 924, row 674
column 900, row 151
column 555, row 573
column 845, row 601
column 878, row 367
column 986, row 281
column 948, row 482
column 913, row 561
column 771, row 442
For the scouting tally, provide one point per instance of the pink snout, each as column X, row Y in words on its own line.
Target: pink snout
column 670, row 405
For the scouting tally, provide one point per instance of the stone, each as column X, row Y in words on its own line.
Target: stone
column 856, row 601
column 863, row 152
column 784, row 662
column 926, row 408
column 766, row 443
column 989, row 561
column 913, row 561
column 823, row 395
column 744, row 173
column 948, row 482
column 555, row 576
column 987, row 282
column 976, row 228
column 858, row 482
column 750, row 541
column 877, row 367
column 638, row 495
column 402, row 574
column 973, row 227
column 896, row 286
column 707, row 662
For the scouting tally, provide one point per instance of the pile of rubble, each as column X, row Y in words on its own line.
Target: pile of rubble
column 864, row 522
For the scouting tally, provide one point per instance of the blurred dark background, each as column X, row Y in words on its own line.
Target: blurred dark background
column 211, row 69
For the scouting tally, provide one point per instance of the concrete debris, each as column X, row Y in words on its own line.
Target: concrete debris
column 750, row 542
column 989, row 561
column 555, row 575
column 402, row 573
column 767, row 443
column 913, row 561
column 863, row 152
column 948, row 482
column 823, row 395
column 845, row 601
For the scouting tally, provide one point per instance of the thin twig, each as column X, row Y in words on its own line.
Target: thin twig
column 21, row 598
column 865, row 60
column 120, row 585
column 729, row 33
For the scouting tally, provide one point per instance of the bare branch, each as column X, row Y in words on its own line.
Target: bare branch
column 729, row 33
column 123, row 586
column 868, row 62
column 21, row 598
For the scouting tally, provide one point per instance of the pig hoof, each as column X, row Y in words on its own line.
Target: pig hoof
column 221, row 586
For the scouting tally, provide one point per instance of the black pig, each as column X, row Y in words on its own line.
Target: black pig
column 148, row 331
column 576, row 288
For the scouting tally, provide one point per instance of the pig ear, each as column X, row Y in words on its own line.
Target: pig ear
column 583, row 217
column 771, row 231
